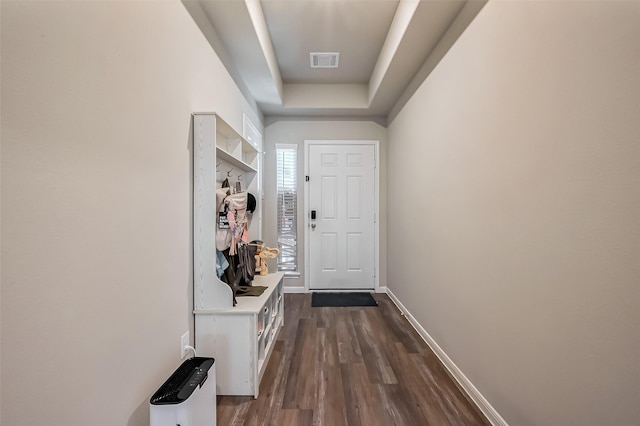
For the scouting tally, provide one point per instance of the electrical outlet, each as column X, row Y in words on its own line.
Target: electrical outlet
column 184, row 342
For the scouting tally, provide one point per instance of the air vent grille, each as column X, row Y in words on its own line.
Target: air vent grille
column 324, row 60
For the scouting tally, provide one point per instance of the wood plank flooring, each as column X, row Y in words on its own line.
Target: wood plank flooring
column 360, row 366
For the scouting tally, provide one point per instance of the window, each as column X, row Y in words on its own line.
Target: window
column 287, row 208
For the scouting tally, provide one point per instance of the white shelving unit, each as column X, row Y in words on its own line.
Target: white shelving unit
column 240, row 338
column 212, row 163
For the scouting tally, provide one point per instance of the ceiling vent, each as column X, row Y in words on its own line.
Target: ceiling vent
column 324, row 60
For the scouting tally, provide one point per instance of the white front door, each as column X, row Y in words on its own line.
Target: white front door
column 341, row 196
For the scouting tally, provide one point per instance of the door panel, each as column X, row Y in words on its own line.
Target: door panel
column 354, row 197
column 328, row 200
column 342, row 238
column 329, row 251
column 354, row 248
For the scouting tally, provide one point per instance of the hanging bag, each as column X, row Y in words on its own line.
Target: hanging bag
column 247, row 264
column 223, row 231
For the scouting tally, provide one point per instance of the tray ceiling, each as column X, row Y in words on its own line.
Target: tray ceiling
column 386, row 47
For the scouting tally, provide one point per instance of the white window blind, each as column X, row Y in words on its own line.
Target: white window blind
column 287, row 208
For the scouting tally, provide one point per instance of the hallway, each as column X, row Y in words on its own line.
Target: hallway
column 350, row 366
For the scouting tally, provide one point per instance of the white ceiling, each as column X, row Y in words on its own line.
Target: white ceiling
column 387, row 48
column 355, row 29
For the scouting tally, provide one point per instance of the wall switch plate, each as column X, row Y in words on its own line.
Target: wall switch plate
column 184, row 342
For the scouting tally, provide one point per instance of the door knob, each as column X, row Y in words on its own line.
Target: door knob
column 313, row 226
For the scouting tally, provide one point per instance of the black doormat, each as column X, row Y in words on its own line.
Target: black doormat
column 319, row 300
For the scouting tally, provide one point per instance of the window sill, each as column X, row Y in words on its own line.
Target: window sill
column 292, row 275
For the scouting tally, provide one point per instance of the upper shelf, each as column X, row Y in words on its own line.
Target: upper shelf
column 233, row 161
column 232, row 143
column 232, row 148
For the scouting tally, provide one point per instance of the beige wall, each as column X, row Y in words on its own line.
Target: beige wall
column 96, row 193
column 296, row 132
column 520, row 159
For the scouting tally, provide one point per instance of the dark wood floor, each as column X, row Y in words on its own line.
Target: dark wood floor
column 350, row 366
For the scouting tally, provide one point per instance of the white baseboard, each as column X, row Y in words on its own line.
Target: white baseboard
column 492, row 415
column 294, row 289
column 382, row 289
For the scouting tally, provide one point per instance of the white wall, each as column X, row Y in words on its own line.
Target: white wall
column 96, row 203
column 296, row 132
column 520, row 165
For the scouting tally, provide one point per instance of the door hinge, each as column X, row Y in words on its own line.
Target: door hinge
column 375, row 218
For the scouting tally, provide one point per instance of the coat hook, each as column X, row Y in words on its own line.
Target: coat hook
column 240, row 177
column 229, row 173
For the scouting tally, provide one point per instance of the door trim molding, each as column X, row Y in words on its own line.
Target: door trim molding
column 376, row 203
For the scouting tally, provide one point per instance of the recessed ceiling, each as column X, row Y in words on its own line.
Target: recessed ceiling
column 299, row 27
column 387, row 47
